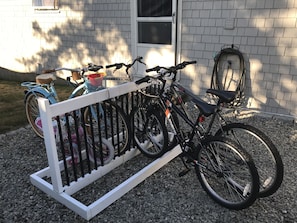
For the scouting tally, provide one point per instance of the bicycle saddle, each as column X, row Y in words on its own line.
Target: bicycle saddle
column 205, row 108
column 225, row 96
column 45, row 78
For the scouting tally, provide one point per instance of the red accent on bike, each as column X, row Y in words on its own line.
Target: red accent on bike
column 201, row 119
column 167, row 112
column 96, row 78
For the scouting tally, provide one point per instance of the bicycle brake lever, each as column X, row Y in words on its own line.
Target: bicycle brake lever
column 139, row 59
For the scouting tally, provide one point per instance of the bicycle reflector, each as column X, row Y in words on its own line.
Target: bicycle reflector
column 201, row 119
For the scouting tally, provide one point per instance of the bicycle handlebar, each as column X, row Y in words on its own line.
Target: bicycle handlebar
column 143, row 80
column 170, row 70
column 128, row 66
column 90, row 67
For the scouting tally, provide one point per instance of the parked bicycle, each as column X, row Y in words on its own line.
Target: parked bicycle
column 118, row 103
column 125, row 101
column 113, row 122
column 127, row 66
column 74, row 141
column 225, row 170
column 265, row 154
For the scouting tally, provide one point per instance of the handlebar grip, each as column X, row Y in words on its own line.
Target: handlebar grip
column 191, row 62
column 142, row 80
column 111, row 65
column 48, row 71
column 184, row 64
column 157, row 68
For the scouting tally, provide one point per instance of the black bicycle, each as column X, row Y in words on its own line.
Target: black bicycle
column 225, row 170
column 265, row 154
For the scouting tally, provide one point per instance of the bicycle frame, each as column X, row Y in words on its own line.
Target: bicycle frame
column 200, row 118
column 213, row 117
column 34, row 88
column 168, row 106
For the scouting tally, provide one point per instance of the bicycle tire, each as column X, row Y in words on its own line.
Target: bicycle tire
column 107, row 151
column 149, row 131
column 265, row 154
column 32, row 111
column 227, row 173
column 119, row 134
column 172, row 140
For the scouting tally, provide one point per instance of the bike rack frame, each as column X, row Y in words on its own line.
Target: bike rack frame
column 62, row 193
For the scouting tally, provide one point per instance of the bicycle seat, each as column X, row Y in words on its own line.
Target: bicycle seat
column 45, row 78
column 225, row 96
column 205, row 108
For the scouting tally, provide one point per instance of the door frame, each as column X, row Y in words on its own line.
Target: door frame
column 178, row 22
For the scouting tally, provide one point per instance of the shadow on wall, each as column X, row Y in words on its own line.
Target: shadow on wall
column 75, row 37
column 247, row 85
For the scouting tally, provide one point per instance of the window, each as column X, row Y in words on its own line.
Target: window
column 154, row 32
column 154, row 8
column 154, row 21
column 45, row 4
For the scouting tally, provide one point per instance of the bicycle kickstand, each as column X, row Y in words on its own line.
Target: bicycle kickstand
column 186, row 170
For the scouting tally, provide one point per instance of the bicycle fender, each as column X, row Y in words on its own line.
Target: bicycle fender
column 42, row 91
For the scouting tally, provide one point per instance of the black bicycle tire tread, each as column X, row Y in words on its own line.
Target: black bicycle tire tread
column 31, row 122
column 125, row 120
column 279, row 164
column 251, row 165
column 164, row 129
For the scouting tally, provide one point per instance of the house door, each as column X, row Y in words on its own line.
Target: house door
column 155, row 32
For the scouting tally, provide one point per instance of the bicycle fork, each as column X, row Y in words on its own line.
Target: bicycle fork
column 184, row 142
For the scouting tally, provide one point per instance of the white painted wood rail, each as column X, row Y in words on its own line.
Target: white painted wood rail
column 63, row 194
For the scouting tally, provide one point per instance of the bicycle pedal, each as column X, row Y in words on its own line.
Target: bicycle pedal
column 184, row 172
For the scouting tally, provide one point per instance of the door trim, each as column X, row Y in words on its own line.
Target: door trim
column 178, row 20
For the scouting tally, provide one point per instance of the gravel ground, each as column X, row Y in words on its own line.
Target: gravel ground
column 163, row 197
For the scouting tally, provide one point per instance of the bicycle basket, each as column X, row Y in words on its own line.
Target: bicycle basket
column 95, row 79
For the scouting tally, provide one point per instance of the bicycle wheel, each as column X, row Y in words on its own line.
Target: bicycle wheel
column 149, row 131
column 172, row 141
column 108, row 120
column 227, row 173
column 265, row 154
column 100, row 154
column 32, row 113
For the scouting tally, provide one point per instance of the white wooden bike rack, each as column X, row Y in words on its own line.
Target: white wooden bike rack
column 63, row 194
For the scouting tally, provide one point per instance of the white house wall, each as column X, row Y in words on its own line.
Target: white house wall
column 99, row 31
column 265, row 31
column 78, row 33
